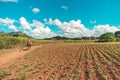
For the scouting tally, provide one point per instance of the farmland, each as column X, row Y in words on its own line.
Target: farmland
column 67, row 61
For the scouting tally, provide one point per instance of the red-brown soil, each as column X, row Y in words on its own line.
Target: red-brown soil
column 63, row 61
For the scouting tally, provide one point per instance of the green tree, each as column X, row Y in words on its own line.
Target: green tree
column 117, row 35
column 107, row 37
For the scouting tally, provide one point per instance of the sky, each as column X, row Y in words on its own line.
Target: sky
column 69, row 18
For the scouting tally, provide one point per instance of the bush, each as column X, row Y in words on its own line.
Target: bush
column 117, row 35
column 107, row 37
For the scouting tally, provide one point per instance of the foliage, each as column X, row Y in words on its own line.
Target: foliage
column 107, row 37
column 9, row 42
column 4, row 74
column 117, row 35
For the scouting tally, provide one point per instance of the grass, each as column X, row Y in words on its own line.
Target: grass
column 8, row 41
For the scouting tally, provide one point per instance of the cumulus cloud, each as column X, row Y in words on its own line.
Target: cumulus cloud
column 72, row 28
column 13, row 27
column 35, row 10
column 37, row 24
column 7, row 21
column 64, row 7
column 9, row 1
column 77, row 29
column 24, row 24
column 36, row 29
column 100, row 29
column 41, row 31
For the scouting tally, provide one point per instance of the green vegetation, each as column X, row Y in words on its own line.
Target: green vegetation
column 40, row 77
column 117, row 35
column 15, row 39
column 23, row 76
column 18, row 39
column 4, row 74
column 107, row 37
column 7, row 42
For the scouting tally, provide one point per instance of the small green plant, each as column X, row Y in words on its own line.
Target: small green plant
column 77, row 71
column 23, row 76
column 47, row 70
column 19, row 70
column 88, row 73
column 64, row 74
column 25, row 65
column 69, row 67
column 4, row 74
column 40, row 77
column 75, row 77
column 51, row 78
column 101, row 72
column 72, row 63
column 32, row 68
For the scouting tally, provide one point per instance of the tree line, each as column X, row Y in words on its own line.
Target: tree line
column 109, row 37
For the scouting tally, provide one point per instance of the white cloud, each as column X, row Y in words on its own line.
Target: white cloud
column 36, row 29
column 50, row 21
column 13, row 27
column 64, row 7
column 37, row 24
column 93, row 22
column 41, row 31
column 7, row 21
column 24, row 24
column 72, row 28
column 77, row 29
column 9, row 1
column 35, row 10
column 57, row 22
column 100, row 29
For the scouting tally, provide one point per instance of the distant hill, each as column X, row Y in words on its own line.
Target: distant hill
column 17, row 34
column 14, row 34
column 57, row 38
column 67, row 38
column 62, row 38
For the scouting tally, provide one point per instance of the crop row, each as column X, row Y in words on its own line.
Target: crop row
column 67, row 61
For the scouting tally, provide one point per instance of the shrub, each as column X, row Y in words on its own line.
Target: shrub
column 107, row 37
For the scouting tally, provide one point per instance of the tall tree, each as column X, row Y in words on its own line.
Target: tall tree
column 107, row 37
column 117, row 35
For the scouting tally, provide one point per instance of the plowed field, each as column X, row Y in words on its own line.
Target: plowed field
column 67, row 61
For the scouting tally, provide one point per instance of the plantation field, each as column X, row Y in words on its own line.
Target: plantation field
column 67, row 61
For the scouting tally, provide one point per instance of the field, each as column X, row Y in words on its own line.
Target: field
column 67, row 61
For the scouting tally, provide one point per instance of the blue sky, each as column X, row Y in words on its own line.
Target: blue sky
column 70, row 18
